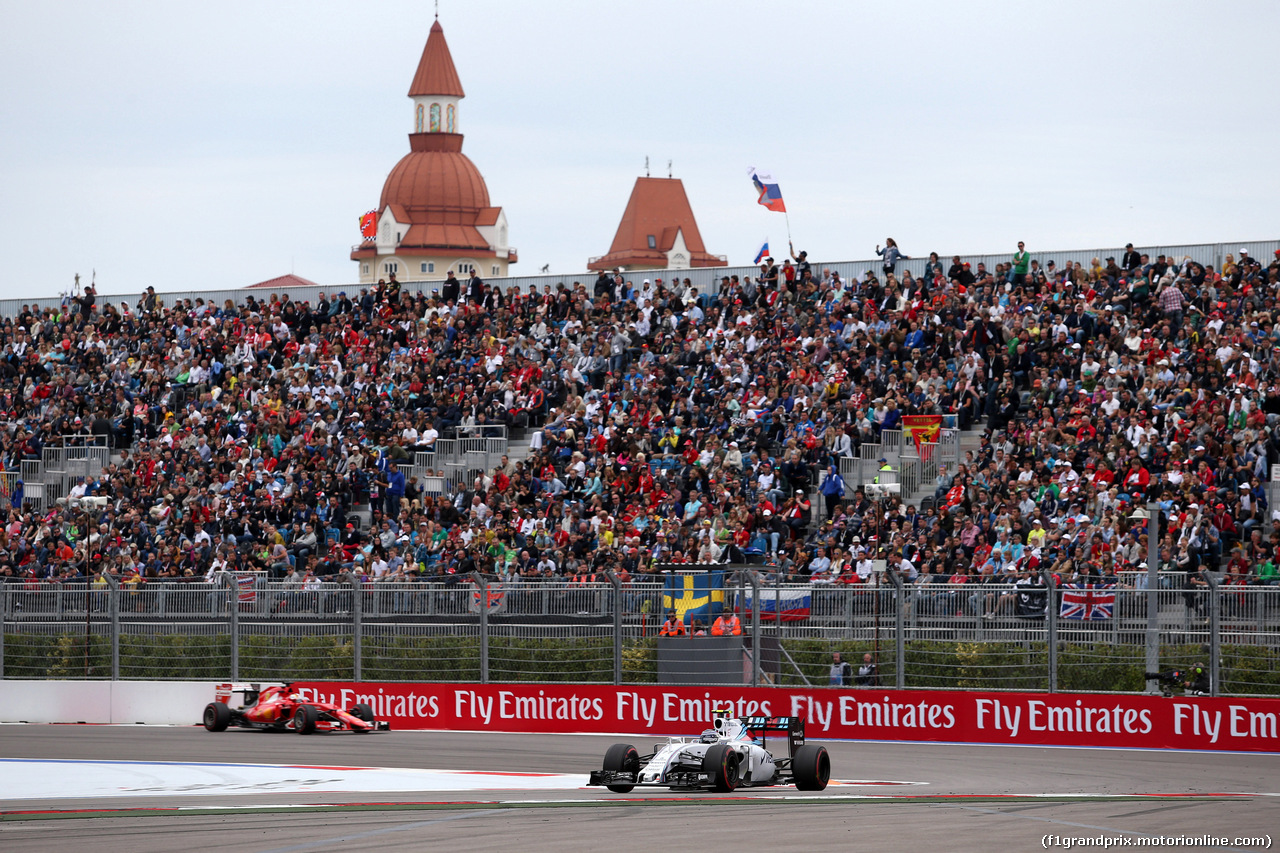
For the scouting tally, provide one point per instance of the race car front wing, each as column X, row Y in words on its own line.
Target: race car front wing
column 675, row 779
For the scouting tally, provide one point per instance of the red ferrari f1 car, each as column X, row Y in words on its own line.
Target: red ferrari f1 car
column 281, row 708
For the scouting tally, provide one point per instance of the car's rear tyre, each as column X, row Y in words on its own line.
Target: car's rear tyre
column 722, row 763
column 304, row 720
column 811, row 767
column 622, row 757
column 217, row 716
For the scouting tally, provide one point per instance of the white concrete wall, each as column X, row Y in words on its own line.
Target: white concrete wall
column 120, row 702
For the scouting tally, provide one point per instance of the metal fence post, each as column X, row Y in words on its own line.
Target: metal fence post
column 1215, row 630
column 777, row 604
column 113, row 605
column 1051, row 624
column 4, row 614
column 357, row 628
column 753, row 577
column 484, row 625
column 899, row 628
column 1153, row 597
column 617, row 625
column 233, row 621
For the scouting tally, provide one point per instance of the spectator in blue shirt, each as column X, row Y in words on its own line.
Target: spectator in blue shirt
column 394, row 487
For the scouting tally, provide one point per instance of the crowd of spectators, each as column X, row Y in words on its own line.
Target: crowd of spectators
column 669, row 424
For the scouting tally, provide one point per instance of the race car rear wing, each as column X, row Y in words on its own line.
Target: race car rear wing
column 792, row 727
column 249, row 692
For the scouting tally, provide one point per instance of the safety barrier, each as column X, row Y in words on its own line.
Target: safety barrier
column 922, row 635
column 1025, row 718
column 829, row 713
column 170, row 703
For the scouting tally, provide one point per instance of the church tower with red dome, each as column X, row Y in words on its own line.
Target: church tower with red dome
column 434, row 215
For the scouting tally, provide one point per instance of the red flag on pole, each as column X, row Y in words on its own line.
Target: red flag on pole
column 369, row 225
column 924, row 431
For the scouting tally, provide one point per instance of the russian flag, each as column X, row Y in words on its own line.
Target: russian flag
column 763, row 253
column 792, row 603
column 770, row 195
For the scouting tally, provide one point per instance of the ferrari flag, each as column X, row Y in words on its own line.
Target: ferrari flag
column 369, row 225
column 770, row 196
column 924, row 431
column 699, row 596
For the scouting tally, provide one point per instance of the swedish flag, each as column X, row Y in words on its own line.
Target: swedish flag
column 699, row 596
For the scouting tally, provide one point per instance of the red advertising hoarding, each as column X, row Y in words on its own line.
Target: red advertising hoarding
column 1044, row 719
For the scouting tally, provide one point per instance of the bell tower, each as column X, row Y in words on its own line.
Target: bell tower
column 436, row 89
column 435, row 216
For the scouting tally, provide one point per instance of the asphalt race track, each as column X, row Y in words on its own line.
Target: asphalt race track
column 962, row 797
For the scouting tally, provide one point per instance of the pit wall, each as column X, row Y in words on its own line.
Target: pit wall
column 1034, row 719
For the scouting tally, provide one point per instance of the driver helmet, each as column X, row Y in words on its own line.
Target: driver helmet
column 709, row 736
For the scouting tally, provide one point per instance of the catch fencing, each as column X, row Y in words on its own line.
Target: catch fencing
column 478, row 629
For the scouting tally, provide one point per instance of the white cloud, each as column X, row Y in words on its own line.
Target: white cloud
column 200, row 146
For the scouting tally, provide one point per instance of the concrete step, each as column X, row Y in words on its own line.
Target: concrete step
column 518, row 446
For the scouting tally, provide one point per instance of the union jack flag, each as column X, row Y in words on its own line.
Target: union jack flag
column 496, row 594
column 1088, row 602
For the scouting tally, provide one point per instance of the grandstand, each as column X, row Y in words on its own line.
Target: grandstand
column 556, row 430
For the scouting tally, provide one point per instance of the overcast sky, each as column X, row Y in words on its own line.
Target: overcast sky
column 211, row 145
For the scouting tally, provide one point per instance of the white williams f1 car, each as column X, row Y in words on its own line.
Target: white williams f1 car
column 723, row 759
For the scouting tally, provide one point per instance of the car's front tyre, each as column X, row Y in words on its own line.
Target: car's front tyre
column 723, row 765
column 362, row 711
column 304, row 719
column 622, row 758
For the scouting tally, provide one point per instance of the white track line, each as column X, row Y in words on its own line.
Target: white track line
column 30, row 779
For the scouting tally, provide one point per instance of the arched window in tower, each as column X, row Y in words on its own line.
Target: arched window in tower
column 419, row 118
column 435, row 118
column 450, row 118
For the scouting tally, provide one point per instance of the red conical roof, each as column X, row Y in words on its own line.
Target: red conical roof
column 658, row 208
column 436, row 74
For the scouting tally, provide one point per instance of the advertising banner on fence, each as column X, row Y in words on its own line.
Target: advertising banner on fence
column 1048, row 719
